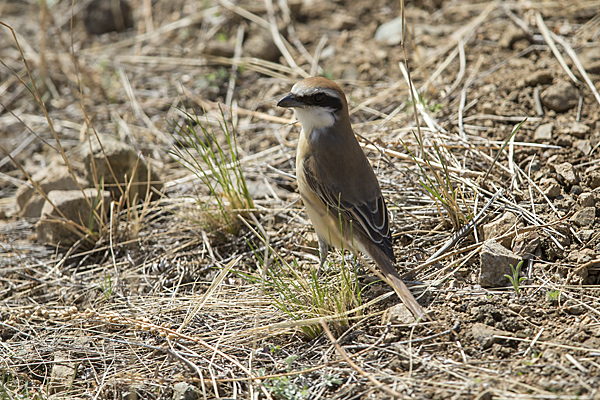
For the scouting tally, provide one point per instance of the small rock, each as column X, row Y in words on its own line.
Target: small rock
column 53, row 177
column 560, row 97
column 71, row 204
column 526, row 245
column 565, row 140
column 101, row 17
column 397, row 314
column 185, row 391
column 218, row 48
column 587, row 199
column 63, row 373
column 342, row 22
column 495, row 262
column 484, row 334
column 500, row 227
column 564, row 203
column 130, row 393
column 261, row 45
column 573, row 307
column 585, row 235
column 488, row 108
column 510, row 36
column 585, row 255
column 390, row 32
column 550, row 187
column 584, row 146
column 576, row 190
column 543, row 133
column 123, row 160
column 584, row 217
column 543, row 77
column 593, row 179
column 579, row 130
column 568, row 173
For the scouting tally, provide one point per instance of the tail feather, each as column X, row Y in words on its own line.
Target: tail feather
column 394, row 280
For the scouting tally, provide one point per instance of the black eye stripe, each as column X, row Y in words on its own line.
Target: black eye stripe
column 328, row 101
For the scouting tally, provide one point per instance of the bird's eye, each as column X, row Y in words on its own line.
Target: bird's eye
column 319, row 97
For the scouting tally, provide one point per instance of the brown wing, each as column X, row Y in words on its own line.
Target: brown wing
column 371, row 217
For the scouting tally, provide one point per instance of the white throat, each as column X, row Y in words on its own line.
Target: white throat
column 314, row 118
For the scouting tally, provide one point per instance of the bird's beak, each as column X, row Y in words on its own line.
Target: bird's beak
column 290, row 101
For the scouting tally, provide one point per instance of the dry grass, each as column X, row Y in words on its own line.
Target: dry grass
column 158, row 301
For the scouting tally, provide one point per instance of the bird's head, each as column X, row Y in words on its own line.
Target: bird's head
column 317, row 102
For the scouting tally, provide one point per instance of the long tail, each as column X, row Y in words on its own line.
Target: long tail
column 393, row 279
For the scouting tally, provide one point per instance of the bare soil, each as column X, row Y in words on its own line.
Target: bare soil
column 109, row 322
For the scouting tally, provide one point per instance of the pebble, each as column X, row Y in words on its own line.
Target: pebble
column 586, row 199
column 495, row 262
column 584, row 146
column 567, row 172
column 390, row 32
column 543, row 133
column 579, row 130
column 585, row 217
column 560, row 97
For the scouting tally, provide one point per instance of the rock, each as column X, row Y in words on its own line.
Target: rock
column 584, row 217
column 543, row 133
column 560, row 97
column 185, row 391
column 53, row 177
column 593, row 179
column 342, row 22
column 122, row 159
column 488, row 108
column 390, row 32
column 587, row 199
column 100, row 17
column 567, row 172
column 579, row 130
column 584, row 146
column 565, row 140
column 585, row 235
column 564, row 203
column 484, row 334
column 63, row 373
column 573, row 307
column 495, row 262
column 262, row 46
column 130, row 393
column 543, row 77
column 70, row 205
column 219, row 49
column 499, row 227
column 550, row 187
column 576, row 190
column 510, row 36
column 397, row 314
column 585, row 255
column 526, row 245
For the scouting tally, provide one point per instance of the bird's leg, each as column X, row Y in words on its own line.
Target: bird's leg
column 323, row 250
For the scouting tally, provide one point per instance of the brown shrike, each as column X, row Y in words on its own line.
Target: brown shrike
column 337, row 184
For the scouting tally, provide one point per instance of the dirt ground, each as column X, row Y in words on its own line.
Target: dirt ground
column 143, row 314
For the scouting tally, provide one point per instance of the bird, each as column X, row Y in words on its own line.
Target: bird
column 337, row 184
